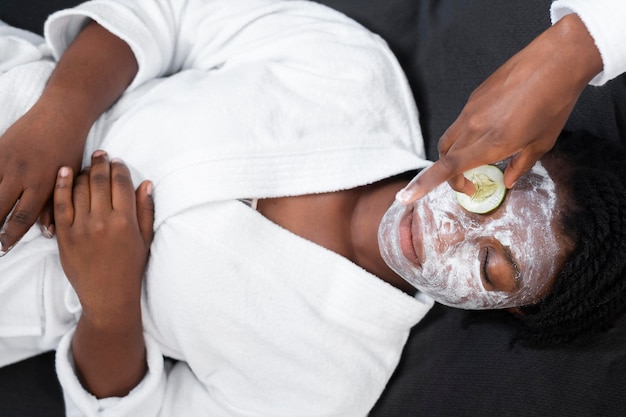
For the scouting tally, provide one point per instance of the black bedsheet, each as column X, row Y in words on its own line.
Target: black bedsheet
column 456, row 363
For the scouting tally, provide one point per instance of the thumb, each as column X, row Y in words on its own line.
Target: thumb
column 518, row 166
column 46, row 220
column 461, row 184
column 145, row 211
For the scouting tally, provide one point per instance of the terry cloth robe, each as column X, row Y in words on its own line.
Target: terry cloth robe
column 253, row 99
column 604, row 20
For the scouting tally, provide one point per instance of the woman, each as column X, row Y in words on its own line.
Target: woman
column 262, row 320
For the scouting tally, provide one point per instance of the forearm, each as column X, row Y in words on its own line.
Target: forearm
column 109, row 352
column 89, row 77
column 574, row 45
column 604, row 21
column 104, row 234
column 517, row 112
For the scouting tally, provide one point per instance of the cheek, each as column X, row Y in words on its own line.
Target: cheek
column 454, row 274
column 451, row 266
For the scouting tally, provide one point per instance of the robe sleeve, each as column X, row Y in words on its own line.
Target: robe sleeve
column 606, row 22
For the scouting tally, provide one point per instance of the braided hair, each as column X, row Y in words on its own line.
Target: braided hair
column 590, row 290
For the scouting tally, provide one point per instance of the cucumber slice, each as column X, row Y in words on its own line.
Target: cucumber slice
column 490, row 190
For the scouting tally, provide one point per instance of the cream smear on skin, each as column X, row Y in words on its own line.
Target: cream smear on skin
column 452, row 239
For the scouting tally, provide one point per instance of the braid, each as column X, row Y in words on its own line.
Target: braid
column 590, row 290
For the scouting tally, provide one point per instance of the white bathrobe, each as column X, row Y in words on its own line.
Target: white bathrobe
column 266, row 99
column 269, row 99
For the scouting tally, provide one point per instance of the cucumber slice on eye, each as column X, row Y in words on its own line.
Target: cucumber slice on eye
column 490, row 190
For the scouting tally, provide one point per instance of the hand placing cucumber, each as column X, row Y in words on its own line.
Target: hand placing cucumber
column 488, row 181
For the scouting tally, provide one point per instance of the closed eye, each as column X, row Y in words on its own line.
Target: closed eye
column 484, row 262
column 498, row 269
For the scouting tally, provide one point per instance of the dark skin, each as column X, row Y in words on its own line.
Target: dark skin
column 104, row 234
column 108, row 345
column 518, row 111
column 86, row 81
column 103, row 252
column 104, row 230
column 345, row 222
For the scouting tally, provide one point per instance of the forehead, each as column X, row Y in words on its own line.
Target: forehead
column 534, row 198
column 534, row 195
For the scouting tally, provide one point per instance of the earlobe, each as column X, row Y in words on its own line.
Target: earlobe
column 516, row 311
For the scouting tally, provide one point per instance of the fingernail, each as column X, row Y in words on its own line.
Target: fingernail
column 4, row 251
column 116, row 161
column 64, row 172
column 403, row 196
column 149, row 188
column 99, row 153
column 46, row 232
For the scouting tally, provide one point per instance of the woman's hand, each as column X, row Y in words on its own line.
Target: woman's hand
column 31, row 152
column 104, row 231
column 92, row 73
column 518, row 111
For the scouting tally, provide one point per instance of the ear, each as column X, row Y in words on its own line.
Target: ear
column 516, row 311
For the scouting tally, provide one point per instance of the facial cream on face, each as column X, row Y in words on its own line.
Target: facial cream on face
column 449, row 241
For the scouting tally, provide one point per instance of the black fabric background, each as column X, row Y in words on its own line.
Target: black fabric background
column 456, row 363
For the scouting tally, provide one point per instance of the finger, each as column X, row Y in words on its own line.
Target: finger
column 518, row 166
column 63, row 200
column 46, row 220
column 461, row 184
column 449, row 167
column 122, row 189
column 424, row 182
column 20, row 220
column 100, row 181
column 145, row 211
column 449, row 138
column 81, row 198
column 8, row 199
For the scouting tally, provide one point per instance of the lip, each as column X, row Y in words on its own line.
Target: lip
column 410, row 238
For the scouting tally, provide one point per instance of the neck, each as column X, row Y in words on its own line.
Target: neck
column 373, row 202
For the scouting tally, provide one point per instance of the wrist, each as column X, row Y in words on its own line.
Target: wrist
column 113, row 318
column 90, row 76
column 109, row 362
column 576, row 44
column 56, row 132
column 64, row 111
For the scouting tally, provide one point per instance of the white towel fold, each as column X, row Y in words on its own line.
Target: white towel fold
column 19, row 47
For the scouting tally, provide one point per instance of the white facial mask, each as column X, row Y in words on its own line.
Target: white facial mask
column 452, row 239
